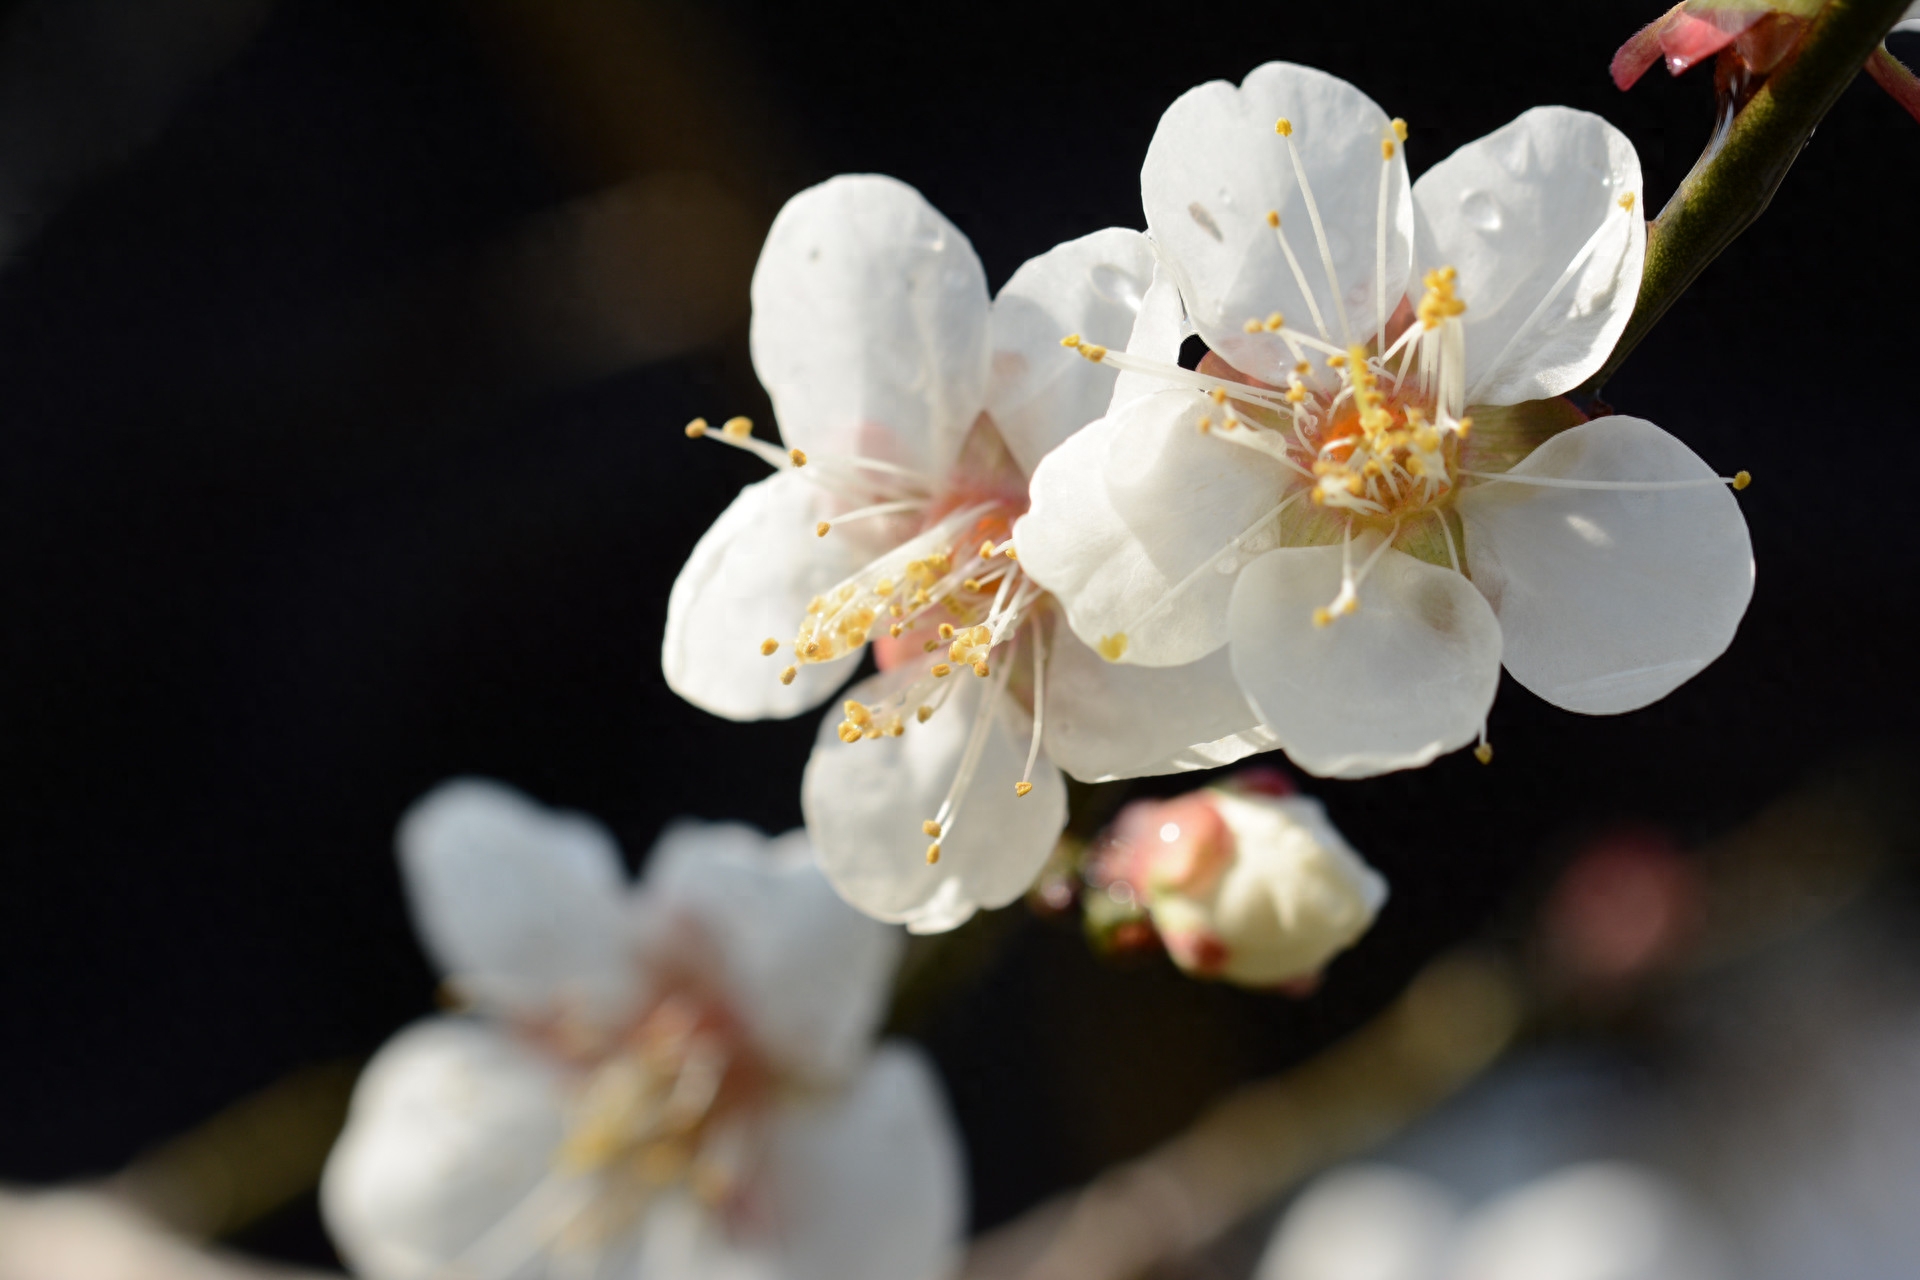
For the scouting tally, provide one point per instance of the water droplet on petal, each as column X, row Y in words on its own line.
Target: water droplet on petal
column 1115, row 285
column 1480, row 211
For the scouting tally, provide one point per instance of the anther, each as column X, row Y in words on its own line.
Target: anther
column 941, row 670
column 924, row 714
column 1205, row 424
column 849, row 732
column 820, row 530
column 1484, row 753
column 799, row 458
column 1093, row 351
column 1322, row 616
column 1386, row 148
column 1283, row 127
column 1273, row 217
column 1219, row 395
column 696, row 428
column 894, row 630
column 946, row 631
column 787, row 675
column 1626, row 202
column 1400, row 128
column 971, row 584
column 769, row 647
column 982, row 670
column 1071, row 341
column 857, row 713
column 1275, row 322
column 933, row 853
column 1741, row 479
column 930, row 827
column 986, row 549
column 1251, row 326
column 1021, row 788
column 738, row 428
column 1112, row 647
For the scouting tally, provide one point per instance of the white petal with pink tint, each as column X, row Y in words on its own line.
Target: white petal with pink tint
column 1407, row 676
column 749, row 579
column 1610, row 599
column 870, row 327
column 1041, row 393
column 1216, row 167
column 1532, row 217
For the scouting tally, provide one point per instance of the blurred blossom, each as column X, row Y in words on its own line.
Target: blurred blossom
column 1365, row 494
column 674, row 1079
column 1627, row 904
column 911, row 411
column 1243, row 882
column 1607, row 1221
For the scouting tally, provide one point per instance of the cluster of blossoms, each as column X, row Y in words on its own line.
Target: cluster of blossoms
column 671, row 1079
column 1327, row 537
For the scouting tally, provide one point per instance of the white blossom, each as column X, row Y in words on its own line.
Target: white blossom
column 674, row 1079
column 911, row 411
column 1363, row 493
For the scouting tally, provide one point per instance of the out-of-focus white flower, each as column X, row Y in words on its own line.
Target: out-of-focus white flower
column 674, row 1079
column 1258, row 889
column 84, row 1235
column 1364, row 494
column 1603, row 1221
column 911, row 411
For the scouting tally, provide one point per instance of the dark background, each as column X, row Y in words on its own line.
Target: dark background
column 299, row 515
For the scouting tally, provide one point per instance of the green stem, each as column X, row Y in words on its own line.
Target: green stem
column 1735, row 178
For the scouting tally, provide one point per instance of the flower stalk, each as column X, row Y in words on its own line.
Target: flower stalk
column 1748, row 157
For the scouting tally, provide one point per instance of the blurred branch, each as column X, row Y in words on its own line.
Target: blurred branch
column 77, row 1235
column 1735, row 178
column 1456, row 1018
column 252, row 1158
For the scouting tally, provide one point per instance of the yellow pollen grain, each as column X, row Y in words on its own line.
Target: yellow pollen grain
column 1484, row 753
column 696, row 428
column 769, row 647
column 1093, row 351
column 1251, row 326
column 1022, row 788
column 849, row 733
column 1296, row 394
column 1205, row 424
column 1273, row 217
column 924, row 714
column 946, row 631
column 1741, row 479
column 1071, row 341
column 933, row 853
column 972, row 584
column 856, row 712
column 1322, row 616
column 1219, row 395
column 1336, row 361
column 1400, row 128
column 982, row 670
column 1113, row 647
column 1275, row 322
column 1010, row 551
column 894, row 630
column 930, row 827
column 820, row 530
column 941, row 670
column 799, row 458
column 787, row 675
column 1626, row 202
column 930, row 646
column 1386, row 149
column 1283, row 127
column 738, row 428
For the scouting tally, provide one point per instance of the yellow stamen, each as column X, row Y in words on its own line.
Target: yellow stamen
column 1112, row 647
column 941, row 670
column 1283, row 127
column 696, row 428
column 820, row 530
column 786, row 676
column 1484, row 753
column 1741, row 479
column 1400, row 128
column 1021, row 788
column 933, row 853
column 769, row 647
column 738, row 428
column 930, row 827
column 1626, row 202
column 799, row 458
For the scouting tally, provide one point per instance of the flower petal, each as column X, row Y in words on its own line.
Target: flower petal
column 1107, row 720
column 869, row 1185
column 1040, row 392
column 521, row 906
column 1158, row 333
column 870, row 324
column 1549, row 260
column 1364, row 1222
column 1406, row 677
column 865, row 803
column 1610, row 599
column 1214, row 170
column 808, row 973
column 748, row 580
column 453, row 1125
column 1150, row 554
